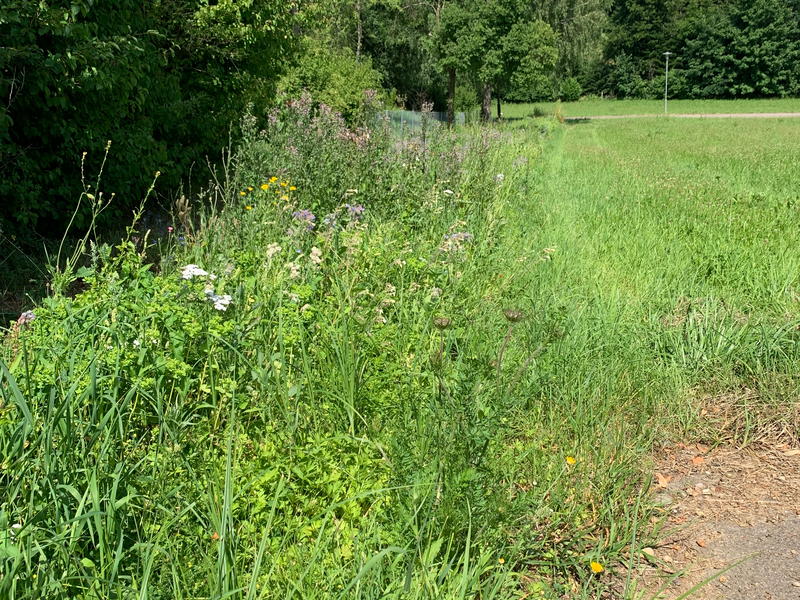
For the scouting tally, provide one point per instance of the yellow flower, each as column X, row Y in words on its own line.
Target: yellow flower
column 596, row 567
column 248, row 207
column 242, row 193
column 501, row 560
column 284, row 197
column 283, row 184
column 570, row 460
column 249, row 189
column 292, row 188
column 273, row 179
column 265, row 186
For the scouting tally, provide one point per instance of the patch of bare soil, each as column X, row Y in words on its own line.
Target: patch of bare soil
column 724, row 506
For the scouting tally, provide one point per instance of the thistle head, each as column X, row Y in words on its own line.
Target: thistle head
column 513, row 315
column 441, row 323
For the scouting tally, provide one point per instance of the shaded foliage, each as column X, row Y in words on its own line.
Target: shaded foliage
column 162, row 79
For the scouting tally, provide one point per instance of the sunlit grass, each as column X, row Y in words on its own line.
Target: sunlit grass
column 589, row 108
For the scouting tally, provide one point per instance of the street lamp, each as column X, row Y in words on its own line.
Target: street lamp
column 666, row 77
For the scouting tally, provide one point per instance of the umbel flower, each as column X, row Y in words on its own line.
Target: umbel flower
column 190, row 271
column 220, row 302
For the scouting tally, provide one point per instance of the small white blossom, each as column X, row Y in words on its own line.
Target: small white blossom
column 136, row 343
column 190, row 271
column 294, row 270
column 220, row 302
column 316, row 256
column 435, row 293
column 273, row 249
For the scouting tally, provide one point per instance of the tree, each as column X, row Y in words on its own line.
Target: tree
column 750, row 48
column 459, row 41
column 162, row 79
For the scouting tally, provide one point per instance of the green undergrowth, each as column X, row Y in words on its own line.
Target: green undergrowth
column 343, row 377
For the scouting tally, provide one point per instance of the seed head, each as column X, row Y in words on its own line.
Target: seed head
column 513, row 315
column 441, row 323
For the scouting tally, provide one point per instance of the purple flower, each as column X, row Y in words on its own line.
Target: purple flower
column 26, row 318
column 355, row 210
column 305, row 218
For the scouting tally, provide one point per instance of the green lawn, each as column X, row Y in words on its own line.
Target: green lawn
column 589, row 108
column 678, row 240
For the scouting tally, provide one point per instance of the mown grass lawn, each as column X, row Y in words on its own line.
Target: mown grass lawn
column 372, row 365
column 590, row 108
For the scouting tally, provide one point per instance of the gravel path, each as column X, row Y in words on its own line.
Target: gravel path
column 695, row 116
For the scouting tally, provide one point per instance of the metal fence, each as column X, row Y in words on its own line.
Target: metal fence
column 404, row 121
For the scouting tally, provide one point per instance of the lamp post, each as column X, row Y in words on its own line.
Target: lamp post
column 666, row 78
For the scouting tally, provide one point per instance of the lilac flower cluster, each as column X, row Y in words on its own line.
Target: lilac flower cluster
column 456, row 241
column 305, row 218
column 355, row 210
column 26, row 318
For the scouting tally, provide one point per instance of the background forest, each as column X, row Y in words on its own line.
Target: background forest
column 164, row 79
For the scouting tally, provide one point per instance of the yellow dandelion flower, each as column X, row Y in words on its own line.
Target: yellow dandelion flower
column 241, row 193
column 265, row 186
column 292, row 188
column 248, row 207
column 249, row 189
column 273, row 179
column 284, row 197
column 501, row 560
column 570, row 460
column 284, row 184
column 596, row 567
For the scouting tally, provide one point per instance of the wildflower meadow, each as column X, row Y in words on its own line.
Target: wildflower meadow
column 357, row 365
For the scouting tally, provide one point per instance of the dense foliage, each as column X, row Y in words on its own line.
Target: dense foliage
column 729, row 49
column 162, row 79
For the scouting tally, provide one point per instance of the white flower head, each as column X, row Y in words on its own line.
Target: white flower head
column 136, row 343
column 435, row 293
column 190, row 271
column 294, row 270
column 316, row 256
column 220, row 302
column 273, row 249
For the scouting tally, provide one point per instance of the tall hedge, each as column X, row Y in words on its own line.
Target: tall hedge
column 161, row 79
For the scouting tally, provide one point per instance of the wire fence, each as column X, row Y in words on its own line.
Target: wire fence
column 407, row 121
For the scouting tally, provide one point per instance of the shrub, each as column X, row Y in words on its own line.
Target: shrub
column 570, row 90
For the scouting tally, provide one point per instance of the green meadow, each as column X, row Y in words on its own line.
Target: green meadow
column 435, row 367
column 595, row 107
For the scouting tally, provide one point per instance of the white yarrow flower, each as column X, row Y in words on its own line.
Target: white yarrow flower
column 220, row 302
column 190, row 271
column 273, row 249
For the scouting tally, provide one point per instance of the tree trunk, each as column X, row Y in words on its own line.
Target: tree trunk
column 499, row 114
column 451, row 98
column 486, row 105
column 358, row 44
